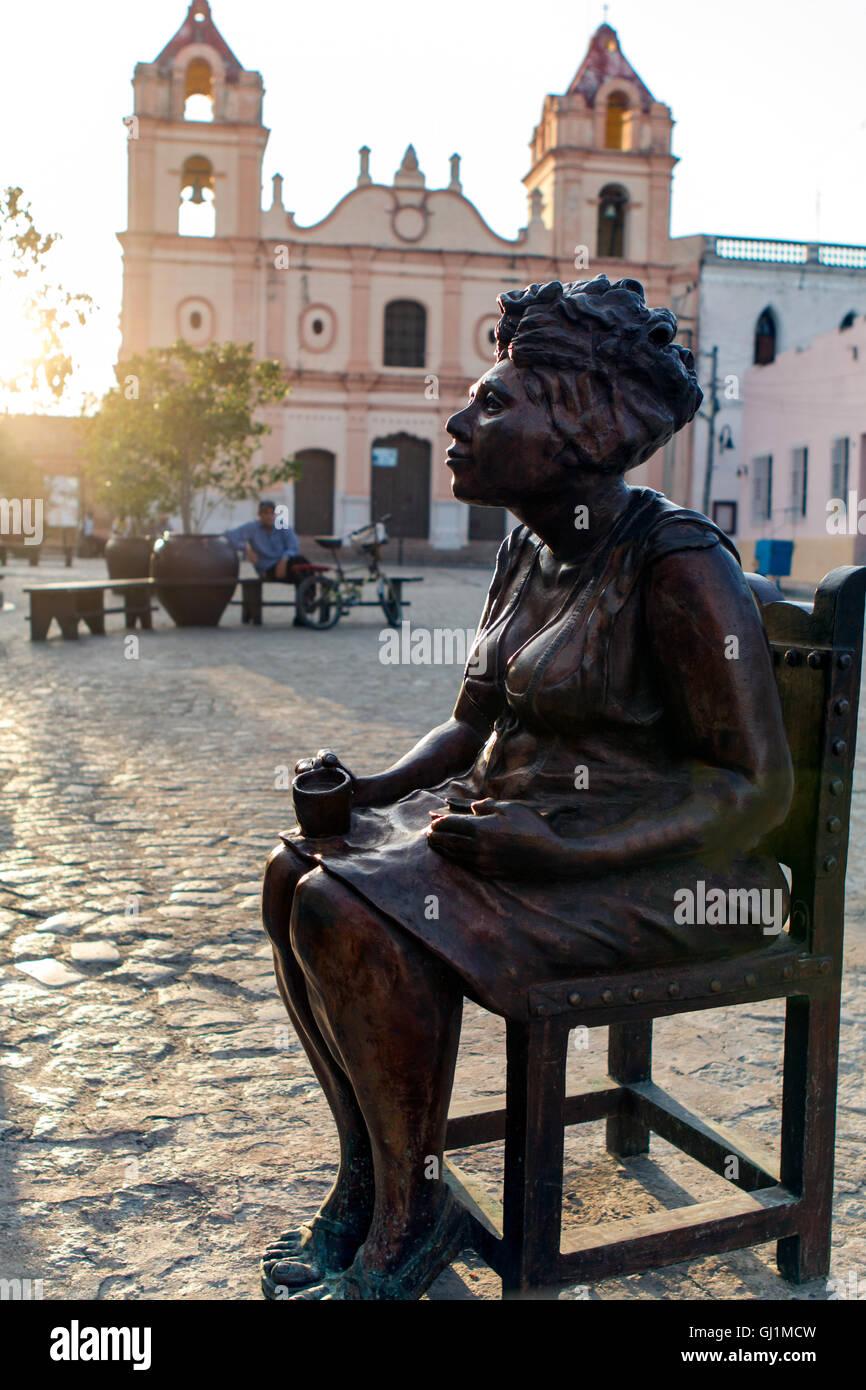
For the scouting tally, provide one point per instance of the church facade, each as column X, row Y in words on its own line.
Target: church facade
column 383, row 312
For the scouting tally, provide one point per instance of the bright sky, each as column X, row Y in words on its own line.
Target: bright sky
column 768, row 96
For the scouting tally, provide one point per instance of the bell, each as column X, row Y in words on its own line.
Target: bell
column 197, row 191
column 609, row 210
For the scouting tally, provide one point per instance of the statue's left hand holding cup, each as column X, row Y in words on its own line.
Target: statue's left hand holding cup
column 322, row 792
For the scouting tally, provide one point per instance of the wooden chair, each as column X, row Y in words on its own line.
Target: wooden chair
column 817, row 654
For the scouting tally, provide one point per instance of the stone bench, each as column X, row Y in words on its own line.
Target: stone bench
column 83, row 600
column 252, row 601
column 15, row 545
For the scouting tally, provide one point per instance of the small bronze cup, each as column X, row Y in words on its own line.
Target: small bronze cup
column 323, row 802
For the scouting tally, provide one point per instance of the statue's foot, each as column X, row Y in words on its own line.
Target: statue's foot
column 308, row 1254
column 430, row 1255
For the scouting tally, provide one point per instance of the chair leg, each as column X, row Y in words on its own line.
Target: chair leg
column 629, row 1058
column 808, row 1131
column 532, row 1205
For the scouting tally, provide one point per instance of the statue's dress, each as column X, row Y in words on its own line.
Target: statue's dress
column 580, row 736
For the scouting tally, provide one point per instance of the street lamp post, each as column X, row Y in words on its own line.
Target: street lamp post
column 711, row 417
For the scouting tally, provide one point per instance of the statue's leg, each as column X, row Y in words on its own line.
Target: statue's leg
column 350, row 1202
column 393, row 1009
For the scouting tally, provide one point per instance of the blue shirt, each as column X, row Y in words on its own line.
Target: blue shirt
column 270, row 546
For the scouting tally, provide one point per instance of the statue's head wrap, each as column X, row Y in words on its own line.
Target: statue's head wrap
column 615, row 383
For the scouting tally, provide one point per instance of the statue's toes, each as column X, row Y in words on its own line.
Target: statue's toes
column 312, row 1291
column 288, row 1244
column 295, row 1272
column 282, row 1250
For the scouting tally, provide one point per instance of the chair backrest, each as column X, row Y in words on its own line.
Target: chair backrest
column 817, row 651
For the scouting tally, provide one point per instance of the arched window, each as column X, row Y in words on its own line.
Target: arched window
column 612, row 205
column 405, row 333
column 765, row 338
column 197, row 216
column 614, row 121
column 198, row 105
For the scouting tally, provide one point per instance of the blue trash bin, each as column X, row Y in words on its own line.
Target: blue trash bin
column 774, row 557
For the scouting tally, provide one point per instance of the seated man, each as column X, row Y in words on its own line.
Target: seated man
column 272, row 549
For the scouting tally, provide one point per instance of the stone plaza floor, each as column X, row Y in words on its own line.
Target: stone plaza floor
column 159, row 1121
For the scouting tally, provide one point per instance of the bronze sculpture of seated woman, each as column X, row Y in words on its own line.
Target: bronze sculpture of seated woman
column 617, row 738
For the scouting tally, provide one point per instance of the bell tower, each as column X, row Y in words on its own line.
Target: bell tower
column 601, row 169
column 196, row 143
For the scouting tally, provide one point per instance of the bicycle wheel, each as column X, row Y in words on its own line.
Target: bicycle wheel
column 318, row 602
column 391, row 605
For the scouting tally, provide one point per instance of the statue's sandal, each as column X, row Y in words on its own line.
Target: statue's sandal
column 447, row 1238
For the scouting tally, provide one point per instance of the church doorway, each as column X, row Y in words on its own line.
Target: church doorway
column 400, row 484
column 314, row 493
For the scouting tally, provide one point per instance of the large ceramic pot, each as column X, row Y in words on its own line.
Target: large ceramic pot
column 128, row 557
column 195, row 577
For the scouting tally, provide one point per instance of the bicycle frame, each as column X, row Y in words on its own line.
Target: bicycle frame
column 372, row 551
column 346, row 584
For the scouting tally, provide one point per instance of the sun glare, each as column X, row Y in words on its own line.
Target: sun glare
column 20, row 347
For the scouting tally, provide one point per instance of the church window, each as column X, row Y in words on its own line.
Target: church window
column 318, row 326
column 614, row 121
column 765, row 338
column 199, row 91
column 405, row 333
column 195, row 319
column 612, row 205
column 197, row 215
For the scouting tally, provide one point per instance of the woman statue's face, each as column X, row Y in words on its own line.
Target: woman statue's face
column 505, row 449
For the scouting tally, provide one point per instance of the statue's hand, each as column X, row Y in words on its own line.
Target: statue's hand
column 326, row 757
column 501, row 839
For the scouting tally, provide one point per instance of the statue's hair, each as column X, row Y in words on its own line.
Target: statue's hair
column 595, row 353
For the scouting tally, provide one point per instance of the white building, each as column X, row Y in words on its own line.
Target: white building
column 803, row 421
column 759, row 299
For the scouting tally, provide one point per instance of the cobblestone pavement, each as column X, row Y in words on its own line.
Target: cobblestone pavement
column 159, row 1120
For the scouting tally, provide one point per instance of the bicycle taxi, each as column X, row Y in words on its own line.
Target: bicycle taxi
column 328, row 592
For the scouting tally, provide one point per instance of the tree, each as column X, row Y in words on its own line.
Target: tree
column 180, row 426
column 36, row 313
